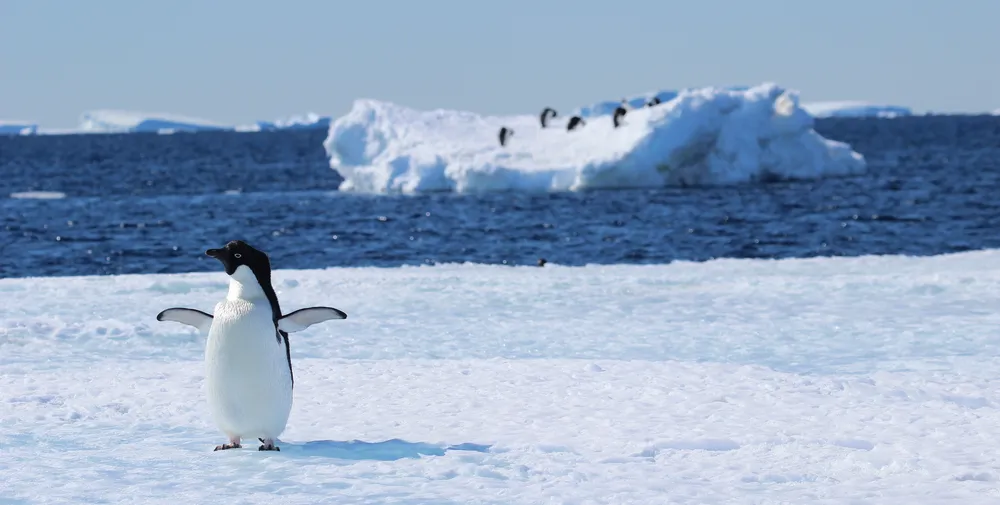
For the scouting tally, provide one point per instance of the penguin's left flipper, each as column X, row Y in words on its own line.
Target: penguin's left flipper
column 304, row 318
column 190, row 317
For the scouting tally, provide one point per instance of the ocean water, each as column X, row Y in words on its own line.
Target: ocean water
column 145, row 203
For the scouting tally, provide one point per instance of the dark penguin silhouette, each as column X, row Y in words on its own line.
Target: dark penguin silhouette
column 574, row 123
column 619, row 114
column 504, row 134
column 654, row 102
column 547, row 113
column 542, row 262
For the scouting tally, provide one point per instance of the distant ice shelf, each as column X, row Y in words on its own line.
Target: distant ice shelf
column 855, row 109
column 13, row 127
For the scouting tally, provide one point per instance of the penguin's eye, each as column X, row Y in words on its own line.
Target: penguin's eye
column 238, row 255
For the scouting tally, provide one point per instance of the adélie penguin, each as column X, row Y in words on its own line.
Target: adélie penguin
column 248, row 362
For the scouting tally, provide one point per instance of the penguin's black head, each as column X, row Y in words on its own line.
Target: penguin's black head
column 237, row 253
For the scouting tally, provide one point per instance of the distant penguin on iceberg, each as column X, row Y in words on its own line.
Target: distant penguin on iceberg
column 654, row 102
column 574, row 123
column 547, row 113
column 619, row 114
column 504, row 134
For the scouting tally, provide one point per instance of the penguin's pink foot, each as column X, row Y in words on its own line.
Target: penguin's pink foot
column 234, row 443
column 268, row 445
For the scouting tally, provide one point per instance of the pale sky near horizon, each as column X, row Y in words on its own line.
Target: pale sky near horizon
column 237, row 61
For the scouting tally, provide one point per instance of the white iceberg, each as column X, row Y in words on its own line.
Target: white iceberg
column 308, row 121
column 701, row 136
column 124, row 121
column 855, row 109
column 12, row 127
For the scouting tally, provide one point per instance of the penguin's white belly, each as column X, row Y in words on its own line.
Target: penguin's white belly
column 247, row 376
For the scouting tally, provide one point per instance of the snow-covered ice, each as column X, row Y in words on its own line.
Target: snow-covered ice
column 864, row 380
column 308, row 121
column 702, row 136
column 131, row 121
column 126, row 121
column 855, row 109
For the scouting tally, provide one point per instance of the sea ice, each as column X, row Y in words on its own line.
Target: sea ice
column 821, row 381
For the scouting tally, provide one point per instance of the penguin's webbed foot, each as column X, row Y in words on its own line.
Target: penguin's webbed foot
column 227, row 446
column 268, row 445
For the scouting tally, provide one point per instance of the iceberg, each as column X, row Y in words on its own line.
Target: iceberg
column 855, row 109
column 10, row 127
column 308, row 121
column 123, row 121
column 607, row 107
column 705, row 136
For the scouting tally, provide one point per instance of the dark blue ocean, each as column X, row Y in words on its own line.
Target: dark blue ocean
column 147, row 203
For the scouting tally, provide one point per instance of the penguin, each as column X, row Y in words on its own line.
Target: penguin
column 654, row 102
column 504, row 133
column 619, row 114
column 574, row 122
column 247, row 358
column 546, row 115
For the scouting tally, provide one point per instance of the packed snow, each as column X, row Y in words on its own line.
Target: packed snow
column 12, row 127
column 823, row 381
column 855, row 109
column 702, row 136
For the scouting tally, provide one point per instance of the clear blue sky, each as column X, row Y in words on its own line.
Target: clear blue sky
column 236, row 61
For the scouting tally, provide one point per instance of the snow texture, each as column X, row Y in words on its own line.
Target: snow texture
column 867, row 380
column 855, row 109
column 701, row 137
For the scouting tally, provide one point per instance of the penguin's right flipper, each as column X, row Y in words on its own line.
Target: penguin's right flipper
column 190, row 317
column 304, row 318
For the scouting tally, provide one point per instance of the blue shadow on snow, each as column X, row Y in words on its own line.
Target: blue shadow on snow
column 389, row 450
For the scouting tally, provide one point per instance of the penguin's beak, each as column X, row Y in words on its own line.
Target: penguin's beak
column 215, row 253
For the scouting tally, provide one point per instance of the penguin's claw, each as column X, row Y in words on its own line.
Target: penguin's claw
column 268, row 445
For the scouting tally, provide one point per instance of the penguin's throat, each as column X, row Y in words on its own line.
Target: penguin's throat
column 243, row 285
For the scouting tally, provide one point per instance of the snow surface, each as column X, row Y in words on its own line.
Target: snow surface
column 13, row 127
column 867, row 380
column 702, row 136
column 855, row 109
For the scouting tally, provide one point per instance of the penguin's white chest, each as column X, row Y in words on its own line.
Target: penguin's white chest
column 249, row 384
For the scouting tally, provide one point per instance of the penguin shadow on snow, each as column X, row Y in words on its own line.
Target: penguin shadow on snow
column 387, row 450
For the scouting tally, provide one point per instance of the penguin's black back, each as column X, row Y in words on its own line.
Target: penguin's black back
column 259, row 263
column 619, row 114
